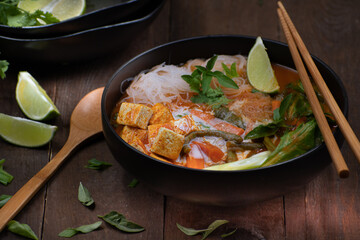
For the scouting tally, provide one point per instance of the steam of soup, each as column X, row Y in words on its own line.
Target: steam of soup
column 206, row 115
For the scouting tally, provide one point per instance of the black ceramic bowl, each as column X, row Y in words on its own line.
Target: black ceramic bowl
column 79, row 46
column 224, row 188
column 97, row 14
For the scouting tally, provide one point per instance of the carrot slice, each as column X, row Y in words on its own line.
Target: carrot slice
column 216, row 122
column 213, row 152
column 195, row 159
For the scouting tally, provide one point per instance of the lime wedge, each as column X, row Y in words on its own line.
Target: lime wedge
column 24, row 132
column 259, row 71
column 61, row 9
column 33, row 100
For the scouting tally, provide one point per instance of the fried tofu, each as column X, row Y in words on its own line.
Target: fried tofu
column 161, row 114
column 128, row 133
column 168, row 143
column 134, row 115
column 183, row 126
column 139, row 145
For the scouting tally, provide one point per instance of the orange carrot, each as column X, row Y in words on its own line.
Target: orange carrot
column 213, row 152
column 275, row 104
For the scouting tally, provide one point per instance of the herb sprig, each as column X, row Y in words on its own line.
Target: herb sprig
column 200, row 82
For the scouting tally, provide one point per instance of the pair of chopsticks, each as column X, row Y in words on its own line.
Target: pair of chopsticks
column 295, row 45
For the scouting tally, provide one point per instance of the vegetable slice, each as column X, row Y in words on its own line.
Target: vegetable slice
column 21, row 229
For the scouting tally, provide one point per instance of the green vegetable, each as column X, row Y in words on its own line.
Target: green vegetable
column 133, row 183
column 69, row 232
column 5, row 177
column 13, row 16
column 200, row 81
column 294, row 143
column 228, row 234
column 228, row 116
column 264, row 130
column 97, row 165
column 3, row 67
column 231, row 73
column 84, row 196
column 279, row 113
column 120, row 222
column 4, row 199
column 21, row 229
column 254, row 161
column 206, row 232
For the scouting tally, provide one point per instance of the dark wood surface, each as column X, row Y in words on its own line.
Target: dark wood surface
column 327, row 208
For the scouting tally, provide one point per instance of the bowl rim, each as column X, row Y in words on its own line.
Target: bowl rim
column 71, row 19
column 204, row 37
column 147, row 15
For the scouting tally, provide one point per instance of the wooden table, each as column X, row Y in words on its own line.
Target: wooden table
column 327, row 208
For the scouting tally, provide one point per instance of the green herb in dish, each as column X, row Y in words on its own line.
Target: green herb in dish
column 4, row 199
column 5, row 177
column 84, row 196
column 206, row 232
column 200, row 80
column 97, row 165
column 120, row 222
column 231, row 73
column 21, row 229
column 69, row 232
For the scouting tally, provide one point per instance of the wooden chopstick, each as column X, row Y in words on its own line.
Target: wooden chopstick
column 329, row 139
column 329, row 99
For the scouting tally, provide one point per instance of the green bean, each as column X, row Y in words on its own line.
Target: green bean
column 232, row 146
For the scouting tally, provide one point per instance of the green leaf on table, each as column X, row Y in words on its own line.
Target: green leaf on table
column 5, row 177
column 4, row 199
column 228, row 234
column 120, row 222
column 84, row 196
column 69, row 232
column 206, row 232
column 21, row 229
column 133, row 183
column 97, row 165
column 3, row 68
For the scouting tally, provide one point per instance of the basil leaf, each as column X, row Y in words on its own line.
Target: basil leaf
column 228, row 234
column 231, row 73
column 263, row 131
column 210, row 64
column 120, row 222
column 224, row 80
column 279, row 113
column 84, row 196
column 21, row 229
column 3, row 68
column 206, row 82
column 212, row 227
column 133, row 183
column 4, row 199
column 190, row 231
column 193, row 82
column 69, row 232
column 5, row 177
column 97, row 165
column 206, row 232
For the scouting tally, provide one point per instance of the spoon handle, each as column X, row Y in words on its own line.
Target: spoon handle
column 26, row 192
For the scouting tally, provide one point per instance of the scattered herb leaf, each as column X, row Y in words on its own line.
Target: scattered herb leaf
column 84, row 196
column 133, row 183
column 5, row 177
column 97, row 165
column 120, row 222
column 228, row 234
column 200, row 82
column 206, row 232
column 3, row 68
column 21, row 229
column 13, row 16
column 69, row 232
column 4, row 199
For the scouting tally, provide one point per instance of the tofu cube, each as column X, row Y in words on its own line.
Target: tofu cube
column 161, row 114
column 139, row 145
column 134, row 115
column 168, row 144
column 128, row 133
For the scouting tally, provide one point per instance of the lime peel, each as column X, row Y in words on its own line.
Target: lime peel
column 24, row 132
column 259, row 71
column 33, row 100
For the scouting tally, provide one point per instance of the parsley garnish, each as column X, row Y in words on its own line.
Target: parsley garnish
column 200, row 80
column 13, row 16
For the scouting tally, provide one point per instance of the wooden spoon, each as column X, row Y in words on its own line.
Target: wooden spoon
column 85, row 122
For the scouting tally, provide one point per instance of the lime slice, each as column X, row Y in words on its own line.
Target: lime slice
column 259, row 71
column 24, row 132
column 61, row 9
column 33, row 100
